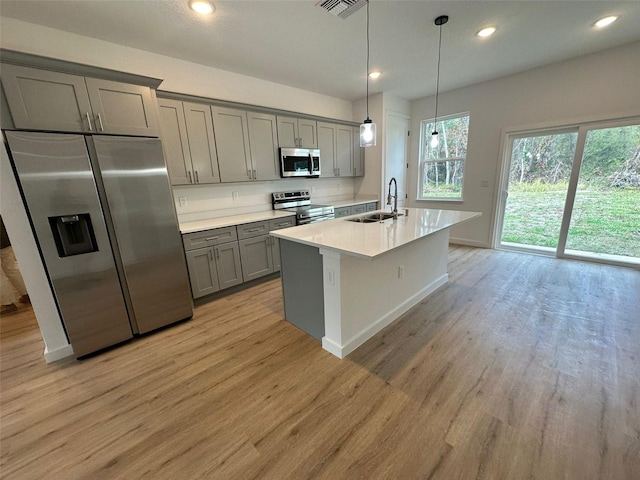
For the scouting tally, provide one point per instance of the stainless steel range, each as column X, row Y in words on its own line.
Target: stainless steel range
column 299, row 201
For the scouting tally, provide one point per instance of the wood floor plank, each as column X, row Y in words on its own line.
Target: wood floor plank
column 522, row 366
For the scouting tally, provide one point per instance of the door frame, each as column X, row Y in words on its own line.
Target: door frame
column 582, row 128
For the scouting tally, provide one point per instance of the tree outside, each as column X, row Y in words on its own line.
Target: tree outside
column 606, row 211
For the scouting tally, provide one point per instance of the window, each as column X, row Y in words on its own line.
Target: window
column 442, row 167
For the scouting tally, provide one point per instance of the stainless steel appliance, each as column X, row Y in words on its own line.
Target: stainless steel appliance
column 102, row 212
column 299, row 162
column 299, row 201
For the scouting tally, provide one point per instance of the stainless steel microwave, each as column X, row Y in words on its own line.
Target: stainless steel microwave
column 299, row 162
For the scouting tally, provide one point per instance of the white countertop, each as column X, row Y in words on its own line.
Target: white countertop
column 368, row 240
column 209, row 223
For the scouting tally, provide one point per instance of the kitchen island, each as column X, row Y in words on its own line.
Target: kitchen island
column 343, row 281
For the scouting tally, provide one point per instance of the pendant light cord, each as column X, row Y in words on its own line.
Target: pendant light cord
column 435, row 122
column 367, row 59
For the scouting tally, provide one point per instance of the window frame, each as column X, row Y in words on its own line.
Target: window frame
column 421, row 161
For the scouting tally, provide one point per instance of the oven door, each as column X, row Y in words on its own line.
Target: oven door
column 299, row 162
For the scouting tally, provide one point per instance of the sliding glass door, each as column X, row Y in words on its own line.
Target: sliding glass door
column 605, row 215
column 573, row 193
column 536, row 189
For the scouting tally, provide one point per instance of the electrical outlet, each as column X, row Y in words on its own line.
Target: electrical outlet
column 235, row 196
column 313, row 189
column 182, row 201
column 485, row 183
column 401, row 271
column 331, row 277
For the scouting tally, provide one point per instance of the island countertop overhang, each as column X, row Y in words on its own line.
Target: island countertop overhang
column 370, row 240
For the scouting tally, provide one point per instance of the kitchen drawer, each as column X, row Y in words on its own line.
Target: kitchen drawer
column 285, row 222
column 342, row 212
column 372, row 206
column 248, row 230
column 209, row 238
column 358, row 209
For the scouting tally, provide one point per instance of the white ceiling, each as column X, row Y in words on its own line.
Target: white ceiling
column 299, row 44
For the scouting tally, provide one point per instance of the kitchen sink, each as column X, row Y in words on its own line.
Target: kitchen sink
column 373, row 218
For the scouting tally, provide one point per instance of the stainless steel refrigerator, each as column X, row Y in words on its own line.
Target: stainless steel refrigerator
column 103, row 215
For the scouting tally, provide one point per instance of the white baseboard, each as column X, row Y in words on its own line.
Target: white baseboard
column 468, row 243
column 342, row 351
column 58, row 353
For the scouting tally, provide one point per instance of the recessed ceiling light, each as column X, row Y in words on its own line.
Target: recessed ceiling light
column 374, row 74
column 202, row 6
column 603, row 22
column 485, row 32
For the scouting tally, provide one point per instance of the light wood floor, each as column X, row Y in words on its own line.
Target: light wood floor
column 522, row 367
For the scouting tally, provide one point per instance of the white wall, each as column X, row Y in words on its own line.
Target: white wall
column 603, row 85
column 178, row 75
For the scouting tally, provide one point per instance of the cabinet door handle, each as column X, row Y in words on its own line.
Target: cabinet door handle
column 100, row 121
column 210, row 254
column 255, row 175
column 217, row 253
column 354, row 171
column 190, row 179
column 252, row 230
column 196, row 173
column 283, row 224
column 208, row 239
column 249, row 174
column 89, row 121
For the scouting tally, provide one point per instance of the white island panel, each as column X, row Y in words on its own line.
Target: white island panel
column 361, row 297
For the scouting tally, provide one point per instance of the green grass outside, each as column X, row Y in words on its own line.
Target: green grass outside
column 604, row 221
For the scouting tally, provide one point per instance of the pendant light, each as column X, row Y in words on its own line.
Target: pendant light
column 368, row 128
column 441, row 20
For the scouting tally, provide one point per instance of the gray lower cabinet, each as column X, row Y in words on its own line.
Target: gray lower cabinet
column 342, row 212
column 213, row 269
column 188, row 141
column 358, row 209
column 255, row 250
column 213, row 258
column 276, row 224
column 228, row 264
column 256, row 257
column 45, row 100
column 202, row 272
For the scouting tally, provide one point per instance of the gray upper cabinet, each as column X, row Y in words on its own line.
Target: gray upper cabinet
column 202, row 144
column 336, row 144
column 121, row 108
column 45, row 100
column 175, row 142
column 327, row 146
column 232, row 140
column 263, row 141
column 358, row 154
column 247, row 144
column 344, row 151
column 297, row 132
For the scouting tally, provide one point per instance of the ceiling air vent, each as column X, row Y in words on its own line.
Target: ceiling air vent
column 341, row 8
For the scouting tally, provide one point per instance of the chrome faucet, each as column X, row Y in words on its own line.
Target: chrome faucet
column 395, row 197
